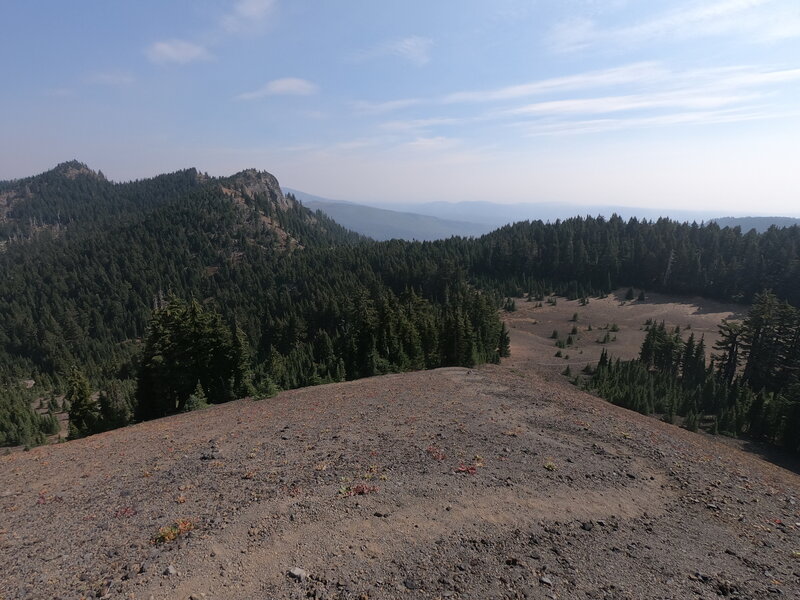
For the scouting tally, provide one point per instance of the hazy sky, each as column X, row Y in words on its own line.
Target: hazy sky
column 679, row 103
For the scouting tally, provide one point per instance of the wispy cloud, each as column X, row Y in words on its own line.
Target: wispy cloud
column 632, row 102
column 376, row 108
column 111, row 78
column 62, row 92
column 679, row 118
column 646, row 94
column 288, row 86
column 413, row 48
column 435, row 143
column 176, row 51
column 416, row 49
column 247, row 14
column 637, row 72
column 760, row 20
column 244, row 15
column 643, row 75
column 634, row 73
column 419, row 124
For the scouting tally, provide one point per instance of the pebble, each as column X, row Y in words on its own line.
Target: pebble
column 412, row 584
column 170, row 570
column 545, row 581
column 298, row 573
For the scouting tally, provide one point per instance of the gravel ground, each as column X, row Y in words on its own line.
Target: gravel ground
column 496, row 482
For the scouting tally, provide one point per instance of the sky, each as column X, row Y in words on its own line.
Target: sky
column 684, row 104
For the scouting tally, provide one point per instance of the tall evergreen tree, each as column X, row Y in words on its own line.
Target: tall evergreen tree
column 83, row 411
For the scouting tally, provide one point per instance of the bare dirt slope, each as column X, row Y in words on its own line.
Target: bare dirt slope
column 497, row 482
column 535, row 325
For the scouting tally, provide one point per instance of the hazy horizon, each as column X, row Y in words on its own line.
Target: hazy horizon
column 681, row 105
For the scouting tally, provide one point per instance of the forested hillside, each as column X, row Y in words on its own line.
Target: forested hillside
column 87, row 263
column 583, row 256
column 121, row 283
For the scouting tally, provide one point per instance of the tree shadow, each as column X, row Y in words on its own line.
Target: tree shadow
column 772, row 454
column 703, row 306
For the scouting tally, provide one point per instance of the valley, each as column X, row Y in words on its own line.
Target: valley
column 534, row 326
column 501, row 481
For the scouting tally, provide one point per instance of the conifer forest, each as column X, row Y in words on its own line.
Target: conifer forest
column 128, row 301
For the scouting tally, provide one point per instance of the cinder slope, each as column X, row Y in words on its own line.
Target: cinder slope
column 561, row 496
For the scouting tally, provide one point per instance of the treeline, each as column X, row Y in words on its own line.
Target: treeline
column 191, row 357
column 586, row 256
column 751, row 387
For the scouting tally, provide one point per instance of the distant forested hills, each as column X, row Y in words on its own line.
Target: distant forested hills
column 760, row 224
column 440, row 220
column 381, row 224
column 117, row 288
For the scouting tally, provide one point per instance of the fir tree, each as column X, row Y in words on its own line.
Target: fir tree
column 83, row 411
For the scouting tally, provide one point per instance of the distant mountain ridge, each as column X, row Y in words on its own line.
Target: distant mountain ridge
column 381, row 224
column 436, row 220
column 496, row 214
column 760, row 224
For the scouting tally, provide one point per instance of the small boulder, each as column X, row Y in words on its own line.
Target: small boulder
column 170, row 571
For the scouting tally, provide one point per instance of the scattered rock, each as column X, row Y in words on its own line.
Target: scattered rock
column 170, row 571
column 546, row 581
column 412, row 584
column 298, row 573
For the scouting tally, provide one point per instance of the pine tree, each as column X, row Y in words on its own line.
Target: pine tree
column 187, row 344
column 197, row 399
column 728, row 347
column 83, row 411
column 504, row 343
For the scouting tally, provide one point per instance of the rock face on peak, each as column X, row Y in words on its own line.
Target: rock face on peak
column 253, row 183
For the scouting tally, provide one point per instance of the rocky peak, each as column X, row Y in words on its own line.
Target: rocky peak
column 73, row 169
column 251, row 182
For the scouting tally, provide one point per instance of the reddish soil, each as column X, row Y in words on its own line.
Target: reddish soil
column 498, row 482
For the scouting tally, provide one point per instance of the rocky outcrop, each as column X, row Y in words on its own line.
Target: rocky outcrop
column 253, row 183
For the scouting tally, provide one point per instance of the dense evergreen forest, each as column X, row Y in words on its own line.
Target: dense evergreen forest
column 586, row 256
column 110, row 287
column 207, row 288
